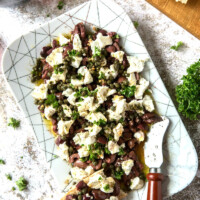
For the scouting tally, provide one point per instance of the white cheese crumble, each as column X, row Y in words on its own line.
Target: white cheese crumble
column 49, row 111
column 64, row 126
column 118, row 130
column 83, row 151
column 67, row 110
column 141, row 88
column 59, row 76
column 67, row 92
column 139, row 135
column 76, row 61
column 113, row 147
column 136, row 183
column 148, row 103
column 56, row 57
column 100, row 42
column 127, row 166
column 78, row 173
column 63, row 40
column 109, row 72
column 92, row 117
column 63, row 151
column 40, row 92
column 72, row 99
column 113, row 198
column 95, row 180
column 93, row 130
column 132, row 79
column 118, row 55
column 137, row 106
column 84, row 138
column 136, row 64
column 89, row 170
column 77, row 44
column 107, row 185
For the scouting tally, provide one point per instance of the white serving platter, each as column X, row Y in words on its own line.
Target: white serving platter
column 180, row 158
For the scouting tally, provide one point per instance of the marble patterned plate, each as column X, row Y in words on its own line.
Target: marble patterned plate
column 180, row 158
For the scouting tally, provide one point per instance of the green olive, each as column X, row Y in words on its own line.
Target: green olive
column 104, row 165
column 71, row 149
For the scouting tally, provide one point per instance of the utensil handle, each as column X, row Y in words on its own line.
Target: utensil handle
column 154, row 186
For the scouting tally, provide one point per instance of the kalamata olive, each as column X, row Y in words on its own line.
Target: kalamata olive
column 99, row 195
column 45, row 75
column 131, row 143
column 55, row 44
column 89, row 87
column 84, row 61
column 110, row 49
column 152, row 120
column 76, row 29
column 125, row 62
column 81, row 185
column 102, row 140
column 121, row 79
column 73, row 157
column 116, row 40
column 79, row 130
column 104, row 33
column 135, row 171
column 131, row 123
column 138, row 120
column 50, row 51
column 82, row 30
column 116, row 45
column 41, row 108
column 120, row 141
column 43, row 53
column 132, row 155
column 116, row 188
column 127, row 135
column 80, row 164
column 98, row 166
column 139, row 165
column 55, row 128
column 67, row 48
column 143, row 127
column 137, row 76
column 70, row 197
column 59, row 140
column 110, row 158
column 54, row 121
column 71, row 130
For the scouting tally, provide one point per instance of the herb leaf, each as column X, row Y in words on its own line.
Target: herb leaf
column 101, row 122
column 106, row 187
column 136, row 24
column 121, row 151
column 52, row 100
column 101, row 76
column 176, row 47
column 97, row 52
column 22, row 184
column 14, row 123
column 75, row 115
column 60, row 4
column 118, row 174
column 2, row 162
column 188, row 93
column 128, row 91
column 9, row 177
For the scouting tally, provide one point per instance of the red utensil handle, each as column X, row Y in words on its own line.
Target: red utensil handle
column 154, row 186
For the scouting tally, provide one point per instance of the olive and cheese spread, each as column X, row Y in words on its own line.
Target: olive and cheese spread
column 99, row 105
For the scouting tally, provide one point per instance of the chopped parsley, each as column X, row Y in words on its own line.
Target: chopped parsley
column 48, row 15
column 188, row 93
column 101, row 122
column 2, row 162
column 118, row 174
column 73, row 53
column 55, row 156
column 9, row 177
column 176, row 47
column 128, row 91
column 101, row 76
column 121, row 151
column 22, row 184
column 60, row 4
column 84, row 159
column 93, row 156
column 106, row 187
column 58, row 69
column 14, row 123
column 100, row 178
column 52, row 100
column 115, row 36
column 110, row 137
column 13, row 188
column 106, row 150
column 75, row 115
column 136, row 24
column 97, row 52
column 85, row 92
column 79, row 76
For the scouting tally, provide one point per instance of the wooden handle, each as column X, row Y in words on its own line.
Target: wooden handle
column 154, row 186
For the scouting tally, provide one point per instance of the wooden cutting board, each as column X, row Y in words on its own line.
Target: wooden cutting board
column 186, row 15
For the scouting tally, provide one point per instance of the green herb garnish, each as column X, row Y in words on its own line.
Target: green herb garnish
column 101, row 122
column 84, row 159
column 22, row 184
column 2, row 162
column 79, row 76
column 13, row 188
column 121, row 151
column 188, row 93
column 176, row 47
column 106, row 187
column 136, row 24
column 115, row 36
column 58, row 69
column 100, row 178
column 101, row 76
column 118, row 174
column 73, row 53
column 107, row 151
column 48, row 15
column 52, row 100
column 97, row 52
column 14, row 123
column 60, row 4
column 128, row 91
column 9, row 177
column 75, row 115
column 85, row 92
column 55, row 156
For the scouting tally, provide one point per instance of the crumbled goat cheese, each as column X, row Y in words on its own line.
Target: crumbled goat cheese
column 63, row 151
column 110, row 182
column 84, row 138
column 49, row 111
column 78, row 173
column 67, row 110
column 64, row 126
column 93, row 130
column 148, row 103
column 76, row 61
column 56, row 57
column 136, row 64
column 77, row 44
column 136, row 183
column 40, row 92
column 118, row 130
column 72, row 99
column 118, row 55
column 132, row 79
column 67, row 92
column 139, row 136
column 58, row 77
column 127, row 166
column 83, row 151
column 137, row 106
column 113, row 147
column 63, row 40
column 92, row 117
column 141, row 88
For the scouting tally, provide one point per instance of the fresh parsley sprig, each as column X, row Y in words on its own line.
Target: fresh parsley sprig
column 22, row 184
column 14, row 123
column 176, row 47
column 60, row 4
column 52, row 100
column 128, row 91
